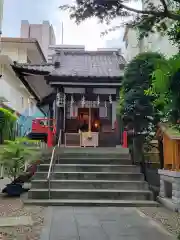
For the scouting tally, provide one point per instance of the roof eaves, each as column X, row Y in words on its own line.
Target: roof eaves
column 31, row 91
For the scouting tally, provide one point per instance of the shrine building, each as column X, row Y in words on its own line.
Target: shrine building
column 80, row 90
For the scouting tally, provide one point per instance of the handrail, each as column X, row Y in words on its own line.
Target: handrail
column 60, row 136
column 50, row 166
column 52, row 160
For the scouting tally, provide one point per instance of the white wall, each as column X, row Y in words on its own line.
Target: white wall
column 132, row 47
column 18, row 98
column 158, row 43
column 153, row 43
column 16, row 54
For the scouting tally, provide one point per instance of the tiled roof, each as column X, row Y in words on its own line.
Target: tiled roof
column 90, row 64
column 43, row 67
column 82, row 64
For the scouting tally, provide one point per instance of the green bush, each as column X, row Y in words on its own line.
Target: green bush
column 7, row 125
column 15, row 155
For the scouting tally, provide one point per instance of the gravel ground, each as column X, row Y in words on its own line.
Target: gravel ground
column 13, row 207
column 169, row 219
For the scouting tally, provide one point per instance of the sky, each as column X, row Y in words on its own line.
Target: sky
column 35, row 11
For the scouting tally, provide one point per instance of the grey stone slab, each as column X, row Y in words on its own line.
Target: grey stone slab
column 89, row 233
column 63, row 230
column 113, row 228
column 85, row 220
column 63, row 211
column 45, row 235
column 104, row 224
column 67, row 238
column 63, row 224
column 123, row 238
column 63, row 215
column 16, row 221
column 113, row 213
column 85, row 210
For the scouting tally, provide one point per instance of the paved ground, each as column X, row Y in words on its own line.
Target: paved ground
column 68, row 223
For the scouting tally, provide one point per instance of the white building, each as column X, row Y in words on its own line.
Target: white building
column 132, row 45
column 13, row 92
column 155, row 42
column 44, row 33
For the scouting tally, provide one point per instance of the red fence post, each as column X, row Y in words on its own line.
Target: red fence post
column 125, row 143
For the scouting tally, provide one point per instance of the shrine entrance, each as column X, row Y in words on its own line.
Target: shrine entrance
column 89, row 120
column 89, row 117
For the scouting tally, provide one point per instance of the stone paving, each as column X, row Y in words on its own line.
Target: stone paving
column 68, row 223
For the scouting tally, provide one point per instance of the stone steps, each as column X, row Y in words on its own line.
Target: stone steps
column 91, row 160
column 90, row 184
column 90, row 168
column 89, row 194
column 99, row 203
column 92, row 175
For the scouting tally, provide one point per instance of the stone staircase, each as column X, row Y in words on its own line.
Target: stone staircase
column 89, row 177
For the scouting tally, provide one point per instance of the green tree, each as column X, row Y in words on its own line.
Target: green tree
column 145, row 20
column 137, row 107
column 166, row 85
column 173, row 33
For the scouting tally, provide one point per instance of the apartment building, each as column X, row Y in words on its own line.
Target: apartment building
column 44, row 33
column 13, row 93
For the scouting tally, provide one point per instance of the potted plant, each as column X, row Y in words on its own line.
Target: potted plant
column 15, row 156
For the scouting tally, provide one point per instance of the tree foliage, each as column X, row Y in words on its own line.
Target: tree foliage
column 166, row 84
column 137, row 107
column 107, row 10
column 173, row 33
